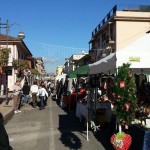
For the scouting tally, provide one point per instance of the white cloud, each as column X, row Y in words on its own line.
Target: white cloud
column 50, row 60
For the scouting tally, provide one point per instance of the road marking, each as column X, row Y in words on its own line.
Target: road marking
column 51, row 126
column 11, row 139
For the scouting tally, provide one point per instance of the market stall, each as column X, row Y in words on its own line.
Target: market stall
column 74, row 92
column 60, row 77
column 137, row 55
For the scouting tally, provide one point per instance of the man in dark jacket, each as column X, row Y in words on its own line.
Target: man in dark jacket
column 4, row 141
column 26, row 91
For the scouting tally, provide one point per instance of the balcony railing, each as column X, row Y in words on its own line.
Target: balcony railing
column 106, row 18
column 135, row 8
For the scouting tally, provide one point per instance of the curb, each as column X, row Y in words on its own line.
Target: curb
column 6, row 110
column 8, row 116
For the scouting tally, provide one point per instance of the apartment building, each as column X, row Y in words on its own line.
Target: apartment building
column 72, row 63
column 39, row 65
column 119, row 28
column 59, row 70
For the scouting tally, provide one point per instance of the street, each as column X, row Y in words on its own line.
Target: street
column 49, row 129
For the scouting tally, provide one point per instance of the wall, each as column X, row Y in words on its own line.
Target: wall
column 130, row 26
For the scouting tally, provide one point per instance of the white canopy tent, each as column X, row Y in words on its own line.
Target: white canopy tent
column 104, row 65
column 137, row 54
column 60, row 77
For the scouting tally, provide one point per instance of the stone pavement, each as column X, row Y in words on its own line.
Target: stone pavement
column 102, row 137
column 6, row 110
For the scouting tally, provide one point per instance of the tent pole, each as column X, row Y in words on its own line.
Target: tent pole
column 87, row 124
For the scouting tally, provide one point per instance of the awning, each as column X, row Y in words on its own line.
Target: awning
column 106, row 65
column 83, row 70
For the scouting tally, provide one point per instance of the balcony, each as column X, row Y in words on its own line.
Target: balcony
column 105, row 20
column 107, row 41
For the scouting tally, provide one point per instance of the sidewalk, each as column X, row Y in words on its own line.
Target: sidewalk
column 6, row 110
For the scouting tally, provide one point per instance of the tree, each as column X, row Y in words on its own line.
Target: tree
column 4, row 56
column 124, row 95
column 35, row 72
column 20, row 64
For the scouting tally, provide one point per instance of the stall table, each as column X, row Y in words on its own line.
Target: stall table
column 82, row 110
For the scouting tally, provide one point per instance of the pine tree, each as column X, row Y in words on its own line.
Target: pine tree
column 124, row 95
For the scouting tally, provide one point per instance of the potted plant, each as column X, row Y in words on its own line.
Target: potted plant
column 124, row 101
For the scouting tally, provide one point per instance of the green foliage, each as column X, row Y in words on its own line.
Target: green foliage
column 4, row 56
column 124, row 96
column 120, row 136
column 35, row 72
column 20, row 64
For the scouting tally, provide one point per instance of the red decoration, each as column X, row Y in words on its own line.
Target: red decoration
column 127, row 105
column 113, row 94
column 127, row 140
column 1, row 71
column 122, row 84
column 126, row 127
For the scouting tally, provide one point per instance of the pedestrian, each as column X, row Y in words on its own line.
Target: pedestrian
column 26, row 91
column 45, row 97
column 48, row 87
column 4, row 140
column 17, row 96
column 41, row 93
column 52, row 87
column 34, row 91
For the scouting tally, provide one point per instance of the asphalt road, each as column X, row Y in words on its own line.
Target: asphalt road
column 49, row 129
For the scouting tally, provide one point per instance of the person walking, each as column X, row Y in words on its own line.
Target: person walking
column 26, row 91
column 42, row 93
column 45, row 97
column 48, row 87
column 17, row 96
column 34, row 91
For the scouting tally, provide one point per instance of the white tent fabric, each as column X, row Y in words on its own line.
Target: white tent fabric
column 105, row 65
column 60, row 77
column 137, row 54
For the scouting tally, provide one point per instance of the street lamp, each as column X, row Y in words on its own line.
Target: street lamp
column 21, row 36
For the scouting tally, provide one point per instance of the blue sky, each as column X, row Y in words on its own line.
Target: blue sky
column 56, row 29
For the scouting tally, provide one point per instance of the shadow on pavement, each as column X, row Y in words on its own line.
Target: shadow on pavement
column 70, row 140
column 3, row 99
column 68, row 125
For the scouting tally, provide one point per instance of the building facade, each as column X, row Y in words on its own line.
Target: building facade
column 72, row 63
column 18, row 50
column 59, row 70
column 39, row 65
column 118, row 29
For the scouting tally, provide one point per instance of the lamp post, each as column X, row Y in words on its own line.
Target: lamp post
column 21, row 36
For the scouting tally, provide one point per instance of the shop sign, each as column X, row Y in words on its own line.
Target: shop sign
column 137, row 59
